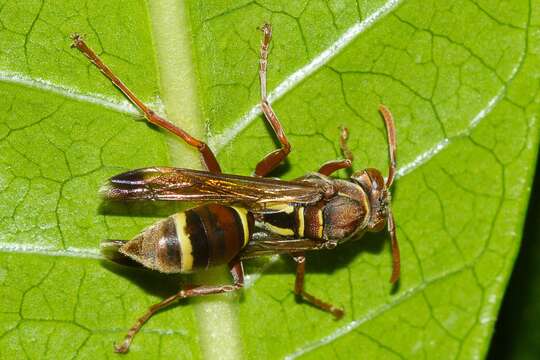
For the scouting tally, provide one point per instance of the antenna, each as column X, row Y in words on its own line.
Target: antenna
column 391, row 131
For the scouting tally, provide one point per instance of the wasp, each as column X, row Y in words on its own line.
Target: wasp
column 242, row 217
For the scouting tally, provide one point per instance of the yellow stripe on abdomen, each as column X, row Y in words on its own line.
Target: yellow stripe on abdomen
column 242, row 213
column 186, row 249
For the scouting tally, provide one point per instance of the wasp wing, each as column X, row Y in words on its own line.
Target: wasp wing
column 167, row 183
column 265, row 244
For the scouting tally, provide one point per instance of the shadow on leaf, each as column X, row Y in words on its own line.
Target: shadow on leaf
column 328, row 261
column 152, row 282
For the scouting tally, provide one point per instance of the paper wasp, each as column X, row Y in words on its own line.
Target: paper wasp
column 241, row 217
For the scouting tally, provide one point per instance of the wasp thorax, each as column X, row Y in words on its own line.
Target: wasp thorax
column 342, row 217
column 373, row 184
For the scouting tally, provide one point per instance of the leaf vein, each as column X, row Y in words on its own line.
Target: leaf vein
column 11, row 77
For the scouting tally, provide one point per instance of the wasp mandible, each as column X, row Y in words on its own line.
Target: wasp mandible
column 241, row 217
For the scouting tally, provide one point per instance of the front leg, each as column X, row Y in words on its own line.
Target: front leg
column 334, row 165
column 300, row 292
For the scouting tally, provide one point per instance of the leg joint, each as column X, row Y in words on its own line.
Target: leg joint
column 286, row 147
column 232, row 287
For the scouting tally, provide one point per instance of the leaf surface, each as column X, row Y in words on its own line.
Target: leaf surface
column 460, row 78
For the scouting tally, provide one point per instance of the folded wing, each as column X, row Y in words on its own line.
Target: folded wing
column 167, row 183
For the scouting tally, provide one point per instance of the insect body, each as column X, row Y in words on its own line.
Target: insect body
column 195, row 239
column 241, row 217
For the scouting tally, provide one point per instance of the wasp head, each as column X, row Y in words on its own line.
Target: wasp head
column 373, row 184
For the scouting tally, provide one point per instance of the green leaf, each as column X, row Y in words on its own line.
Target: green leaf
column 460, row 77
column 516, row 333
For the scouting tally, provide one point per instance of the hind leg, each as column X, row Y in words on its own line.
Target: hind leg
column 208, row 156
column 237, row 272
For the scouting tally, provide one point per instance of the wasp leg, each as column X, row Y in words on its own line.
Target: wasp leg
column 396, row 261
column 237, row 272
column 299, row 288
column 331, row 166
column 208, row 156
column 272, row 159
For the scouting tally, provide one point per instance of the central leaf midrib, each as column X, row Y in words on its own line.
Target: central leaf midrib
column 178, row 88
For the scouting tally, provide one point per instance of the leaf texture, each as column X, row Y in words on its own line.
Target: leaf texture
column 461, row 78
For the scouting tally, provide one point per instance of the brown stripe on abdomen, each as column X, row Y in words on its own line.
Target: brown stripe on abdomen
column 194, row 239
column 168, row 251
column 219, row 235
column 195, row 232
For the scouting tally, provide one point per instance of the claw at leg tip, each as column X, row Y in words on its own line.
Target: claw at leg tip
column 121, row 349
column 76, row 39
column 266, row 28
column 338, row 313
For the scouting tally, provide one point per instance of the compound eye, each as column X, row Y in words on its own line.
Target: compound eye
column 378, row 224
column 362, row 178
column 377, row 181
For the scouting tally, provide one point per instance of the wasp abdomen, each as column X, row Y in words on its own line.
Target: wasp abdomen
column 194, row 239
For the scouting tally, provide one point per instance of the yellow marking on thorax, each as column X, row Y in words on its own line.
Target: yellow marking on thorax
column 300, row 219
column 321, row 224
column 280, row 208
column 186, row 249
column 278, row 230
column 286, row 208
column 243, row 218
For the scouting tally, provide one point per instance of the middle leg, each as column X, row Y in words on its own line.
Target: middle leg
column 271, row 160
